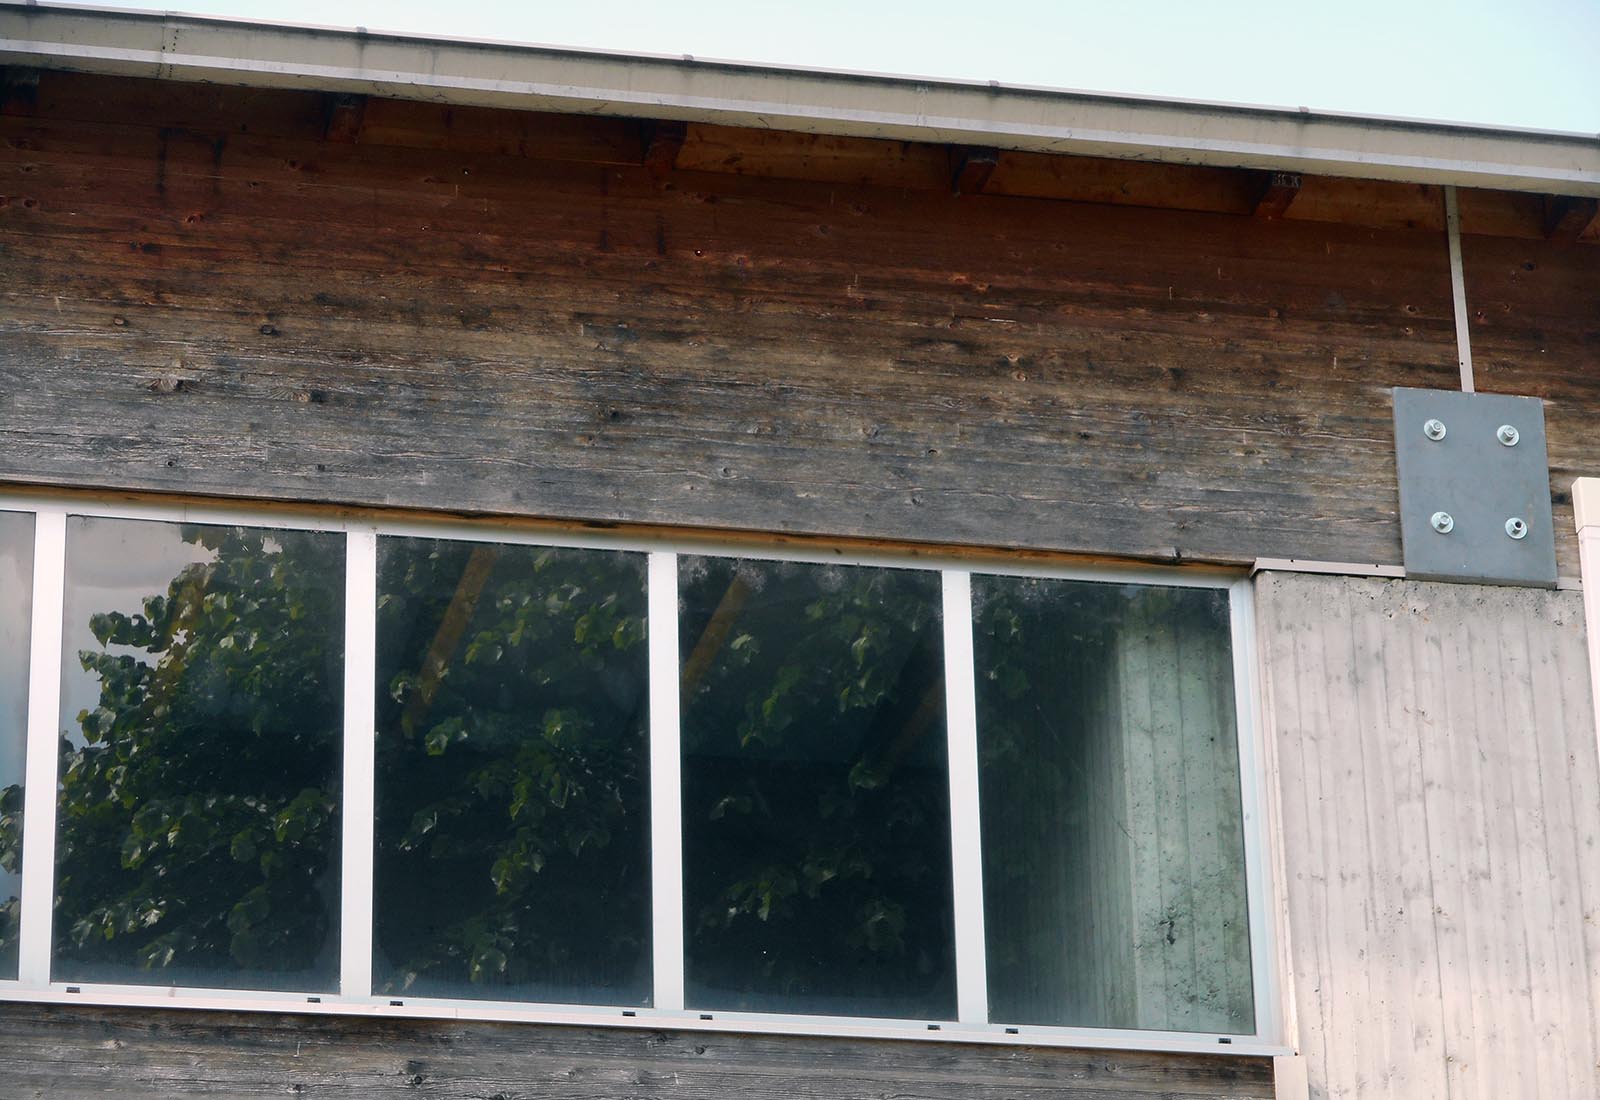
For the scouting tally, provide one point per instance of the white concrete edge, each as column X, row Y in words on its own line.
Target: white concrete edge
column 1290, row 1078
column 1337, row 568
column 179, row 47
column 1586, row 502
column 1586, row 506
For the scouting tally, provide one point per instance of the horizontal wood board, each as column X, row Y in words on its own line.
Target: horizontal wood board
column 1440, row 793
column 200, row 294
column 1534, row 315
column 71, row 1053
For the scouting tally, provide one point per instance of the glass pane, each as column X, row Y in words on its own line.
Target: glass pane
column 198, row 812
column 816, row 793
column 16, row 597
column 513, row 832
column 1114, row 887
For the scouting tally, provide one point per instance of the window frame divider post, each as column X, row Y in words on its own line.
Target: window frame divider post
column 37, row 894
column 1260, row 817
column 966, row 834
column 666, row 797
column 359, row 771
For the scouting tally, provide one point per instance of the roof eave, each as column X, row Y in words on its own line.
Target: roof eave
column 189, row 48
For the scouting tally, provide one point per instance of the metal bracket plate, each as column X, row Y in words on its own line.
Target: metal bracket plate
column 1466, row 482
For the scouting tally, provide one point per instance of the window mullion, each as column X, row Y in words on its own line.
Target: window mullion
column 1253, row 811
column 39, row 790
column 360, row 757
column 666, row 799
column 966, row 839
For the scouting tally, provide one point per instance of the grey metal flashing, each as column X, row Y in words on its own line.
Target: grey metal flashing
column 182, row 47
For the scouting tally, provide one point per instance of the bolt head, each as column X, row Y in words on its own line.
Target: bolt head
column 1507, row 435
column 1434, row 429
column 1443, row 522
column 1517, row 527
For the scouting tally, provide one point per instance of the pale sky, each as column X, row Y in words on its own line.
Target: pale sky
column 1519, row 63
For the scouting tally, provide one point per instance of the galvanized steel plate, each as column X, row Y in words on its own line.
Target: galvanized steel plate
column 1462, row 484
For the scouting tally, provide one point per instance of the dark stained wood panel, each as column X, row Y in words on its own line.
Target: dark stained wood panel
column 1534, row 311
column 253, row 311
column 68, row 1053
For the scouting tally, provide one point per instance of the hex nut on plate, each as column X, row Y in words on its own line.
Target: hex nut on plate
column 1443, row 522
column 1507, row 435
column 1434, row 429
column 1517, row 527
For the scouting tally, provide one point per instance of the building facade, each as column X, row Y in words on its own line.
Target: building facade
column 532, row 573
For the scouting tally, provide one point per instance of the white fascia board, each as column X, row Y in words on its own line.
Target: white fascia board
column 189, row 48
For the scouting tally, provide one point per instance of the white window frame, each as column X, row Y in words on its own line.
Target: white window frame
column 355, row 995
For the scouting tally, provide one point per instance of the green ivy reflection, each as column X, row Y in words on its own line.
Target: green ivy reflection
column 513, row 816
column 198, row 828
column 198, row 803
column 816, row 816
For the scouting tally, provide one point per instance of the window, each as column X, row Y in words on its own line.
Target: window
column 1113, row 842
column 513, row 840
column 420, row 768
column 816, row 792
column 198, row 813
column 16, row 596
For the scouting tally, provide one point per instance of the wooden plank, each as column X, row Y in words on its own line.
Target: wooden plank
column 1019, row 374
column 1376, row 203
column 151, row 103
column 1500, row 213
column 1441, row 920
column 583, row 139
column 1124, row 183
column 822, row 158
column 1534, row 332
column 68, row 1053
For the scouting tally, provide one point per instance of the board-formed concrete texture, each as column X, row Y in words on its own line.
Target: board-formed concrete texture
column 1440, row 791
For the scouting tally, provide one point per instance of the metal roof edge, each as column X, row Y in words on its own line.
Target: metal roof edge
column 173, row 46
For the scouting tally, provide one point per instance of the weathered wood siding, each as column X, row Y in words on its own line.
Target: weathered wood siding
column 1441, row 813
column 68, row 1053
column 202, row 293
column 1534, row 313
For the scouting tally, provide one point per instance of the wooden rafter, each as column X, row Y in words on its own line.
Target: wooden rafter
column 19, row 90
column 345, row 114
column 1278, row 191
column 1567, row 217
column 974, row 166
column 663, row 140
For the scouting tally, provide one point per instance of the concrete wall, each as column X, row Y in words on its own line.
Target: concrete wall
column 1440, row 791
